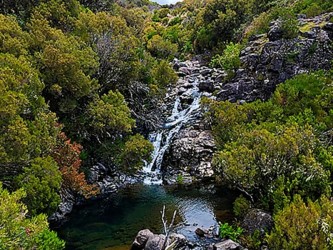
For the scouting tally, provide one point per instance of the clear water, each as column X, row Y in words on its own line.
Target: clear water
column 112, row 223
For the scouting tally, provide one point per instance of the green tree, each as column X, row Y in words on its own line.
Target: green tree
column 110, row 114
column 41, row 181
column 303, row 225
column 136, row 150
column 19, row 232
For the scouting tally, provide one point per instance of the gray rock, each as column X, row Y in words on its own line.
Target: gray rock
column 179, row 239
column 184, row 70
column 227, row 245
column 191, row 152
column 201, row 232
column 257, row 219
column 207, row 86
column 275, row 33
column 155, row 242
column 141, row 239
column 205, row 71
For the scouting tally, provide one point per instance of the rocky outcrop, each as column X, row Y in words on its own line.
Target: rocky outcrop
column 146, row 240
column 266, row 61
column 269, row 60
column 68, row 200
column 191, row 152
column 257, row 220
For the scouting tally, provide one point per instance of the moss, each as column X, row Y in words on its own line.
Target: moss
column 310, row 25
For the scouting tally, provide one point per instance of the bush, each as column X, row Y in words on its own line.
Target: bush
column 303, row 225
column 229, row 60
column 227, row 231
column 241, row 206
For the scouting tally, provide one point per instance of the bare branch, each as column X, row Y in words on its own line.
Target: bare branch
column 167, row 229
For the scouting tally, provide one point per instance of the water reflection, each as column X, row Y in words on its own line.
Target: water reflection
column 112, row 223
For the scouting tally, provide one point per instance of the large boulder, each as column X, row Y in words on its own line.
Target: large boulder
column 191, row 152
column 141, row 239
column 257, row 220
column 155, row 242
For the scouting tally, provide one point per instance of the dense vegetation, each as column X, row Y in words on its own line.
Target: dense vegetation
column 80, row 80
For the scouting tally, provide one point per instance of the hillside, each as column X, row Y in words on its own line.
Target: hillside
column 83, row 84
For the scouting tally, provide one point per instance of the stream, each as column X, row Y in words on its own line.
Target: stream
column 113, row 223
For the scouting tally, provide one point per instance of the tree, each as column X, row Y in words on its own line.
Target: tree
column 19, row 232
column 303, row 225
column 67, row 156
column 109, row 114
column 12, row 39
column 136, row 150
column 259, row 157
column 41, row 181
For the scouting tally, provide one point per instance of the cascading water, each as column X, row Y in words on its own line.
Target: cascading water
column 162, row 138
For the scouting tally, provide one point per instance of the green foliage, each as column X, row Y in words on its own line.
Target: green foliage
column 229, row 60
column 41, row 181
column 163, row 75
column 220, row 20
column 13, row 39
column 161, row 48
column 241, row 206
column 229, row 232
column 19, row 232
column 289, row 23
column 136, row 150
column 110, row 114
column 275, row 149
column 180, row 179
column 303, row 225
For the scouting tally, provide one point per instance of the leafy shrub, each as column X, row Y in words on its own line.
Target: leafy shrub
column 303, row 225
column 259, row 25
column 17, row 231
column 313, row 10
column 229, row 60
column 180, row 179
column 241, row 206
column 227, row 231
column 161, row 48
column 289, row 23
column 136, row 150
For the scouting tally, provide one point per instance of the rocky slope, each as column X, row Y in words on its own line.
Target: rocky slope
column 266, row 61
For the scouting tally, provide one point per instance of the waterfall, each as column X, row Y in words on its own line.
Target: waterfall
column 162, row 138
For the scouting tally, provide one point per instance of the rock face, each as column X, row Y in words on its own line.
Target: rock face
column 191, row 152
column 257, row 219
column 266, row 63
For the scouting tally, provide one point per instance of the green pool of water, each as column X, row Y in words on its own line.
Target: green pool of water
column 112, row 223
